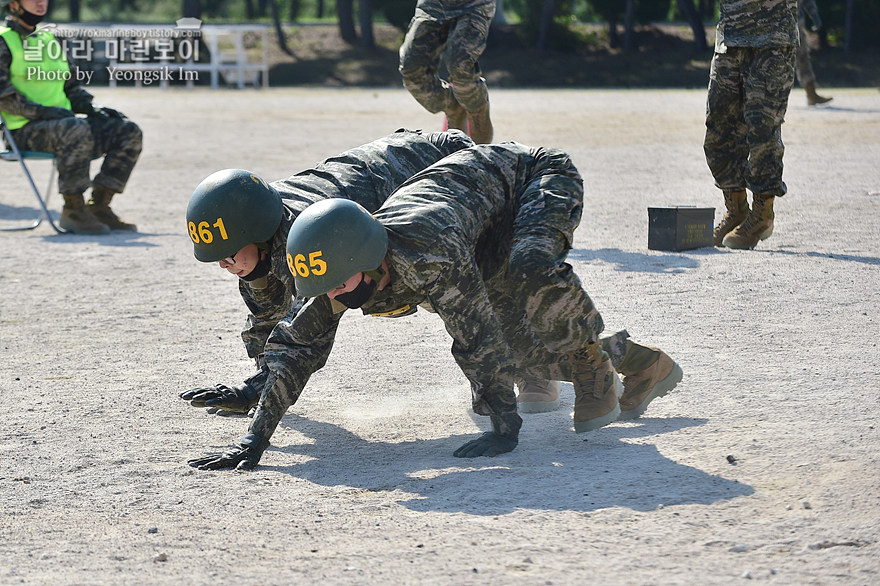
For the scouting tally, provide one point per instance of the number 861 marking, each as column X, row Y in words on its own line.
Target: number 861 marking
column 203, row 233
column 316, row 265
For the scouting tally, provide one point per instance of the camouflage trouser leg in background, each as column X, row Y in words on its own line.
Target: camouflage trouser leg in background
column 459, row 38
column 745, row 108
column 76, row 141
column 804, row 67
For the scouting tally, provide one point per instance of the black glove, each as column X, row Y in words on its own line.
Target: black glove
column 53, row 113
column 503, row 438
column 111, row 113
column 243, row 456
column 239, row 399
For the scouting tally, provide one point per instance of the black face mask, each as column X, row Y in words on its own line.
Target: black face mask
column 357, row 296
column 29, row 18
column 261, row 270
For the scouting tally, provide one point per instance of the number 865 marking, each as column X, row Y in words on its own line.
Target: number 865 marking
column 203, row 233
column 316, row 266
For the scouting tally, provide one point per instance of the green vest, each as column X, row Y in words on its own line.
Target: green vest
column 38, row 71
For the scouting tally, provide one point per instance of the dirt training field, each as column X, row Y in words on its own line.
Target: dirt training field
column 778, row 346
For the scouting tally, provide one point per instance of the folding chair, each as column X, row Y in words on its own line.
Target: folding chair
column 13, row 155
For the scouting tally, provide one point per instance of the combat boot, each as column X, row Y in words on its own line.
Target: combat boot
column 736, row 210
column 596, row 389
column 536, row 395
column 99, row 205
column 456, row 116
column 77, row 218
column 648, row 373
column 757, row 226
column 480, row 125
column 813, row 98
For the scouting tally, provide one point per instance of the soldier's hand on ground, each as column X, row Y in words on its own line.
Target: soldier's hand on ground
column 503, row 438
column 54, row 113
column 238, row 399
column 244, row 456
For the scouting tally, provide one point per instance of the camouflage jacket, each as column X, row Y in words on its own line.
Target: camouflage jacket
column 443, row 10
column 757, row 23
column 450, row 232
column 368, row 175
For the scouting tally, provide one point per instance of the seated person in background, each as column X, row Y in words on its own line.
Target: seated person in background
column 39, row 99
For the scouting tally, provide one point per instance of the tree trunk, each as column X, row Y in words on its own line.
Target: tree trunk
column 499, row 17
column 365, row 17
column 628, row 25
column 192, row 9
column 345, row 13
column 847, row 43
column 546, row 24
column 693, row 16
column 73, row 6
column 276, row 18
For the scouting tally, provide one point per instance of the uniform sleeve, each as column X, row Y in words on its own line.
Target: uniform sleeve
column 267, row 305
column 457, row 292
column 298, row 346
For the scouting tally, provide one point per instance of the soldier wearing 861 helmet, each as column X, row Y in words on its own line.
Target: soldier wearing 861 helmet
column 480, row 238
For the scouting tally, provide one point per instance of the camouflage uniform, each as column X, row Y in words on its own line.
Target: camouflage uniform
column 368, row 175
column 804, row 67
column 456, row 31
column 74, row 141
column 751, row 77
column 480, row 238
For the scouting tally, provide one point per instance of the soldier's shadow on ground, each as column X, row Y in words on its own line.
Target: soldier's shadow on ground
column 657, row 262
column 552, row 468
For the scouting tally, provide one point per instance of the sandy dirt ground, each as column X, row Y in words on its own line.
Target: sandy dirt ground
column 778, row 346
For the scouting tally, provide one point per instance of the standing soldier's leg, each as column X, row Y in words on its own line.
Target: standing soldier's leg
column 120, row 141
column 767, row 84
column 466, row 43
column 70, row 140
column 726, row 142
column 804, row 67
column 419, row 61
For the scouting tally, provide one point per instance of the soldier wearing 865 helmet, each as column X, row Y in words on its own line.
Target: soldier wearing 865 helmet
column 480, row 238
column 240, row 221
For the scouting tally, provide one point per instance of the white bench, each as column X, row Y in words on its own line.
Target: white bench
column 229, row 57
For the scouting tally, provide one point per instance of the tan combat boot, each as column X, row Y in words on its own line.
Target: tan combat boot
column 77, row 218
column 480, row 125
column 813, row 98
column 736, row 210
column 757, row 226
column 536, row 395
column 596, row 389
column 648, row 373
column 99, row 205
column 456, row 116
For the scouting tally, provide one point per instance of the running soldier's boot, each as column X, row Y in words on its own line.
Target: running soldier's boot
column 99, row 205
column 480, row 125
column 648, row 373
column 536, row 395
column 757, row 226
column 596, row 389
column 813, row 98
column 736, row 210
column 456, row 117
column 77, row 218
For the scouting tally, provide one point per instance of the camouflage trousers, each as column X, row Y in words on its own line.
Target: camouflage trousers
column 745, row 109
column 76, row 141
column 455, row 40
column 804, row 67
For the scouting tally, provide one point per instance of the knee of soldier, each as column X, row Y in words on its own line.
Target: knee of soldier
column 537, row 254
column 463, row 71
column 133, row 132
